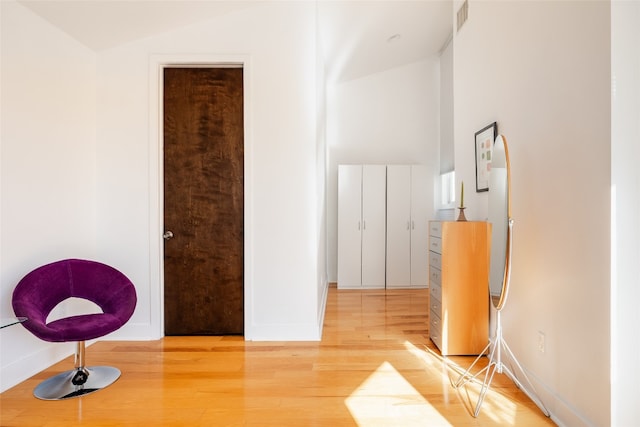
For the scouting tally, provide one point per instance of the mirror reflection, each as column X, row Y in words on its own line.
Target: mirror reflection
column 501, row 223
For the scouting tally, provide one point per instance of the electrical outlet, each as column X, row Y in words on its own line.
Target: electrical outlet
column 541, row 341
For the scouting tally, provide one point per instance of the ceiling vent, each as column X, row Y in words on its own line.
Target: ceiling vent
column 463, row 14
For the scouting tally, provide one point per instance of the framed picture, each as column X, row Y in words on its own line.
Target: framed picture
column 484, row 144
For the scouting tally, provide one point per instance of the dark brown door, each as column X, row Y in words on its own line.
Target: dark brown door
column 203, row 201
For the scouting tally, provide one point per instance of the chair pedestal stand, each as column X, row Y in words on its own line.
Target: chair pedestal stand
column 77, row 382
column 496, row 347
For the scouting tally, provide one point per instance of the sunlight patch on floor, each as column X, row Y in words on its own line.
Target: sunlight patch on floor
column 499, row 408
column 496, row 406
column 435, row 365
column 387, row 399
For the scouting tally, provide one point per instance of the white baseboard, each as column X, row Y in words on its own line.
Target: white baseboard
column 284, row 332
column 48, row 354
column 561, row 412
column 322, row 309
column 24, row 368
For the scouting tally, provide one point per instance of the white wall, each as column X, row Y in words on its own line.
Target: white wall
column 625, row 181
column 81, row 160
column 321, row 174
column 447, row 159
column 385, row 118
column 277, row 43
column 47, row 169
column 549, row 91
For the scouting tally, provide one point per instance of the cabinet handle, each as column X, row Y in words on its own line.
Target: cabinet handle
column 413, row 225
column 364, row 224
column 407, row 225
column 358, row 225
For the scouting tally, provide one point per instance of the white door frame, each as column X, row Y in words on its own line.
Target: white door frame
column 157, row 63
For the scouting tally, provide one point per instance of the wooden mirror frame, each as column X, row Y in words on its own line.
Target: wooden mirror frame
column 499, row 301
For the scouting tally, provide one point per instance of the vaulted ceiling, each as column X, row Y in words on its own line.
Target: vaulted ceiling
column 364, row 37
column 357, row 37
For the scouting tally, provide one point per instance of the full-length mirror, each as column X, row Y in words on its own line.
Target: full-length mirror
column 499, row 275
column 501, row 223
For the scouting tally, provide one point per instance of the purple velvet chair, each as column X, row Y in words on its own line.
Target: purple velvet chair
column 45, row 287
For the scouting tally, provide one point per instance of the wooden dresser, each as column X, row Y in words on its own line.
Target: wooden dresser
column 459, row 286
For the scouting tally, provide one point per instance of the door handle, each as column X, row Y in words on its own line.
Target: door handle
column 167, row 235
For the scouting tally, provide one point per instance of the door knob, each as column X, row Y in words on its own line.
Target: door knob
column 167, row 235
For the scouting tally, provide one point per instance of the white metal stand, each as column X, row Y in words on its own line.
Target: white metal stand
column 496, row 347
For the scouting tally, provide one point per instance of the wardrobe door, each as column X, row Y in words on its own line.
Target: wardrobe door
column 419, row 227
column 399, row 226
column 349, row 226
column 373, row 225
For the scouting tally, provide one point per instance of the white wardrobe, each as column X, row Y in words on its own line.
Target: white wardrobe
column 361, row 226
column 407, row 227
column 382, row 226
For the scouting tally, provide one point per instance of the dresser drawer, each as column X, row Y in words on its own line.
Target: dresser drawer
column 435, row 329
column 434, row 276
column 435, row 260
column 435, row 244
column 435, row 228
column 435, row 291
column 435, row 305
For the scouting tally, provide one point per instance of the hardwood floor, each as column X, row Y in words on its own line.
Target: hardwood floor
column 375, row 366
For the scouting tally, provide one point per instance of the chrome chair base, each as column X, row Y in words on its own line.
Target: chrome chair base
column 76, row 382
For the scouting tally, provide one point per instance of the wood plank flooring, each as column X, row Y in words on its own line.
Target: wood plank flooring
column 375, row 366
